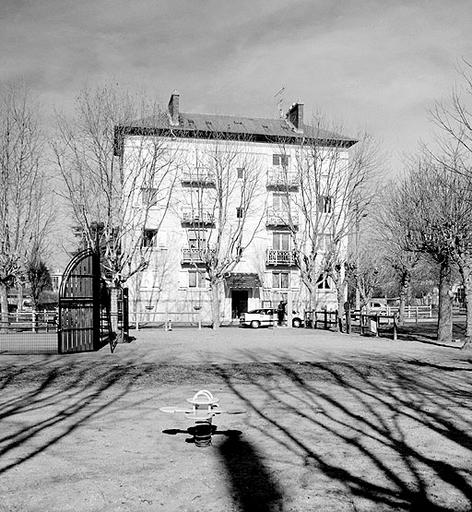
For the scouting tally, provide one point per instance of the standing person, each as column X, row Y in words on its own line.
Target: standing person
column 281, row 312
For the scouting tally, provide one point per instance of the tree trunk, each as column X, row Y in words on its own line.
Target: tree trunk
column 215, row 305
column 3, row 307
column 340, row 300
column 404, row 292
column 313, row 304
column 114, row 309
column 445, row 302
column 466, row 273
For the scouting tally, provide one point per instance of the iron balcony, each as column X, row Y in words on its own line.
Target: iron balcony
column 193, row 255
column 197, row 216
column 281, row 179
column 276, row 217
column 199, row 176
column 278, row 257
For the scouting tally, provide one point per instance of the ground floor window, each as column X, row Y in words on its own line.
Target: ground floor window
column 280, row 279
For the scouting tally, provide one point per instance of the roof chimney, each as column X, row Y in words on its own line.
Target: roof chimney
column 174, row 108
column 295, row 116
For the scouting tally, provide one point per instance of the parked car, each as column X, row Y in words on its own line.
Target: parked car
column 377, row 308
column 264, row 317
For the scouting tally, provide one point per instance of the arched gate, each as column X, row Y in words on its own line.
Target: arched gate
column 79, row 328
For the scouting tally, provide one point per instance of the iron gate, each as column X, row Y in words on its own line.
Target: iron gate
column 79, row 305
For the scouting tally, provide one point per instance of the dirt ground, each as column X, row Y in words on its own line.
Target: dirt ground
column 331, row 423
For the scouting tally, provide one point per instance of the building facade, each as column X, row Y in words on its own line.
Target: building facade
column 235, row 211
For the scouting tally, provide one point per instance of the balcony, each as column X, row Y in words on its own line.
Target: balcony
column 278, row 218
column 197, row 216
column 198, row 177
column 278, row 257
column 280, row 179
column 194, row 256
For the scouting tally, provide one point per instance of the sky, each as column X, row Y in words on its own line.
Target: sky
column 375, row 65
column 368, row 65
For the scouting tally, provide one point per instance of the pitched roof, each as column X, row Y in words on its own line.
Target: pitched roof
column 197, row 125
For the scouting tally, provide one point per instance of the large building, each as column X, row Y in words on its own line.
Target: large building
column 237, row 202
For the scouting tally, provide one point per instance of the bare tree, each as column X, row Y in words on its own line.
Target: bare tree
column 221, row 212
column 23, row 213
column 116, row 175
column 430, row 210
column 37, row 275
column 333, row 195
column 400, row 255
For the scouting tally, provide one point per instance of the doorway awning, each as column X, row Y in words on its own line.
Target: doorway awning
column 243, row 280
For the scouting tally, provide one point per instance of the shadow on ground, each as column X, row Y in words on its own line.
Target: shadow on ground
column 391, row 437
column 36, row 414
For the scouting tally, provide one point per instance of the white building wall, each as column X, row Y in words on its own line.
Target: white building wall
column 162, row 291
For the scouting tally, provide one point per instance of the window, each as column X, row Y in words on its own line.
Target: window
column 325, row 241
column 239, row 212
column 323, row 282
column 325, row 204
column 196, row 238
column 281, row 241
column 240, row 172
column 280, row 160
column 149, row 237
column 196, row 279
column 148, row 196
column 280, row 279
column 280, row 202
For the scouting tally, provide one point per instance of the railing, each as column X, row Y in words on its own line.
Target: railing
column 199, row 176
column 418, row 311
column 40, row 321
column 281, row 218
column 277, row 257
column 196, row 216
column 277, row 178
column 193, row 255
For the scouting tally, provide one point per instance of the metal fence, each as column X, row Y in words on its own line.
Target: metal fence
column 29, row 333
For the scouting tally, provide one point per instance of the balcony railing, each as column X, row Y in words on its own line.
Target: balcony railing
column 277, row 217
column 194, row 255
column 197, row 216
column 199, row 176
column 279, row 257
column 280, row 179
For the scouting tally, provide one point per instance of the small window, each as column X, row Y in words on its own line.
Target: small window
column 209, row 125
column 239, row 212
column 280, row 279
column 148, row 196
column 196, row 279
column 325, row 204
column 280, row 160
column 281, row 241
column 240, row 172
column 149, row 236
column 196, row 238
column 280, row 202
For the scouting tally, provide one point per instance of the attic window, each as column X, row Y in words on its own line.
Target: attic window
column 209, row 125
column 265, row 126
column 191, row 123
column 238, row 122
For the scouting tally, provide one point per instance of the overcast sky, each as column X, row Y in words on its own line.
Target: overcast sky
column 370, row 64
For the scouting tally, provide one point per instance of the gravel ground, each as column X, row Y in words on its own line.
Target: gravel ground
column 331, row 422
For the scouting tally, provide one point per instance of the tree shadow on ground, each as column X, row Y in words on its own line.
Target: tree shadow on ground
column 397, row 436
column 34, row 415
column 252, row 486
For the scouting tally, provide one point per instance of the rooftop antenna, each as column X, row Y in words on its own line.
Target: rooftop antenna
column 280, row 95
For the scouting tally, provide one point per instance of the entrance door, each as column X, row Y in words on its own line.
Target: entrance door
column 239, row 302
